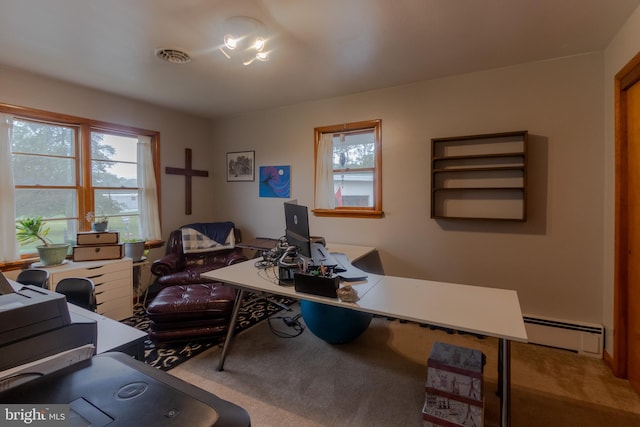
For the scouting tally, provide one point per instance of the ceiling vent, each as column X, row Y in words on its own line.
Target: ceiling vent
column 174, row 56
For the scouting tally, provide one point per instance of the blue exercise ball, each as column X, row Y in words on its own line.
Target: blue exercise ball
column 335, row 325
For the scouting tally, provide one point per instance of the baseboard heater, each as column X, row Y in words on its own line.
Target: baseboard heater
column 583, row 338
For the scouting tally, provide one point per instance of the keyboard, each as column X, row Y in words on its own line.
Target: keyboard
column 321, row 256
column 349, row 273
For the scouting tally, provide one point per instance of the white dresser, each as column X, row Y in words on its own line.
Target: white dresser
column 113, row 280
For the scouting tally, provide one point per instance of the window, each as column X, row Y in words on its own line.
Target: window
column 64, row 167
column 114, row 182
column 44, row 158
column 348, row 164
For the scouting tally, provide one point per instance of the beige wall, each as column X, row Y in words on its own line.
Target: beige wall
column 554, row 260
column 177, row 131
column 624, row 46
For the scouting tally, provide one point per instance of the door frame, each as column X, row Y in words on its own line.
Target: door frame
column 624, row 79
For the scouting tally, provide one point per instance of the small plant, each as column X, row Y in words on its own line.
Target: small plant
column 32, row 228
column 98, row 223
column 94, row 219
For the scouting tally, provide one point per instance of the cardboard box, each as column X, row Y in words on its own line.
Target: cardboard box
column 442, row 411
column 456, row 372
column 98, row 238
column 97, row 252
column 454, row 386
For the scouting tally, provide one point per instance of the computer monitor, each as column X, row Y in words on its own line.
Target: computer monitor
column 297, row 227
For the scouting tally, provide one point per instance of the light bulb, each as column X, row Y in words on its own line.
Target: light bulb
column 259, row 44
column 230, row 41
column 262, row 56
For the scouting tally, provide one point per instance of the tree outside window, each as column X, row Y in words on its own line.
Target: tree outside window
column 63, row 169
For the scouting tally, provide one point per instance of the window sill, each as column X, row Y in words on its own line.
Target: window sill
column 348, row 213
column 23, row 263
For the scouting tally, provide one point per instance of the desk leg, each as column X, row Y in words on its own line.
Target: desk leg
column 504, row 381
column 232, row 327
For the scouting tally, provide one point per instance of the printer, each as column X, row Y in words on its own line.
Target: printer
column 112, row 389
column 36, row 323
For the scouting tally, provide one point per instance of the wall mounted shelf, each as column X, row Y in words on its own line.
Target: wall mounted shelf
column 480, row 177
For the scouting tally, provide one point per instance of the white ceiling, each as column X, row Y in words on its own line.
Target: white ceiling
column 319, row 48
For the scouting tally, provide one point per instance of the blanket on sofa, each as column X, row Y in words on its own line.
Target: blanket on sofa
column 207, row 236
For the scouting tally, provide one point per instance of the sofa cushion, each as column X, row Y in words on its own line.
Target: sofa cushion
column 186, row 334
column 195, row 301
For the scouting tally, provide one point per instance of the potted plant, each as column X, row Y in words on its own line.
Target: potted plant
column 31, row 229
column 134, row 249
column 98, row 223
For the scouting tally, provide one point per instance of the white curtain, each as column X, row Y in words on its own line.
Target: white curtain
column 8, row 243
column 325, row 198
column 148, row 200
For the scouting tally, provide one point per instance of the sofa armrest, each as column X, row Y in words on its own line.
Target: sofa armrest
column 215, row 259
column 235, row 257
column 186, row 277
column 168, row 264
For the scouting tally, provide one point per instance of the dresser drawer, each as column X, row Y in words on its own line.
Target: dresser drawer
column 117, row 309
column 113, row 290
column 89, row 269
column 100, row 279
column 113, row 280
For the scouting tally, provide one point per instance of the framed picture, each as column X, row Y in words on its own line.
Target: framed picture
column 241, row 166
column 275, row 181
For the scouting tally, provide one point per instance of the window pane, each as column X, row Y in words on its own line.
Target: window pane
column 116, row 202
column 353, row 189
column 46, row 202
column 113, row 174
column 121, row 207
column 354, row 150
column 41, row 170
column 114, row 160
column 127, row 225
column 40, row 138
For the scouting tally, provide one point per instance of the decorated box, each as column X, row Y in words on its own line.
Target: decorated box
column 97, row 252
column 456, row 372
column 454, row 387
column 97, row 238
column 443, row 411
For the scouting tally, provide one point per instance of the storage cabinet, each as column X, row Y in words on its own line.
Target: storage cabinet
column 480, row 177
column 113, row 280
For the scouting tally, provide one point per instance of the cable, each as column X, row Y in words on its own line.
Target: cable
column 290, row 322
column 269, row 274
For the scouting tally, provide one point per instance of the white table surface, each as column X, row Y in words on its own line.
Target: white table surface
column 474, row 309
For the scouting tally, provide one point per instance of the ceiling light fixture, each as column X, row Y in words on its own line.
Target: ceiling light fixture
column 244, row 38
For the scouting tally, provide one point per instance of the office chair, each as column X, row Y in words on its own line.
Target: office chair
column 34, row 277
column 79, row 291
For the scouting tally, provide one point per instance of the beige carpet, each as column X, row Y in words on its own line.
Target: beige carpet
column 378, row 380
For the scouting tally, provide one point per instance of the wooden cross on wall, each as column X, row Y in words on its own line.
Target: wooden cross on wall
column 188, row 173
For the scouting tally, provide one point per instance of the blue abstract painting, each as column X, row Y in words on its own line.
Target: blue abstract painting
column 275, row 181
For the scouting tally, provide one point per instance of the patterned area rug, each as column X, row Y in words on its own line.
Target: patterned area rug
column 170, row 355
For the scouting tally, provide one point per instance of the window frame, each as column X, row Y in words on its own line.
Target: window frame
column 352, row 211
column 84, row 128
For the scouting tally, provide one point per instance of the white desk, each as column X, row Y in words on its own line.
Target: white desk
column 113, row 335
column 474, row 309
